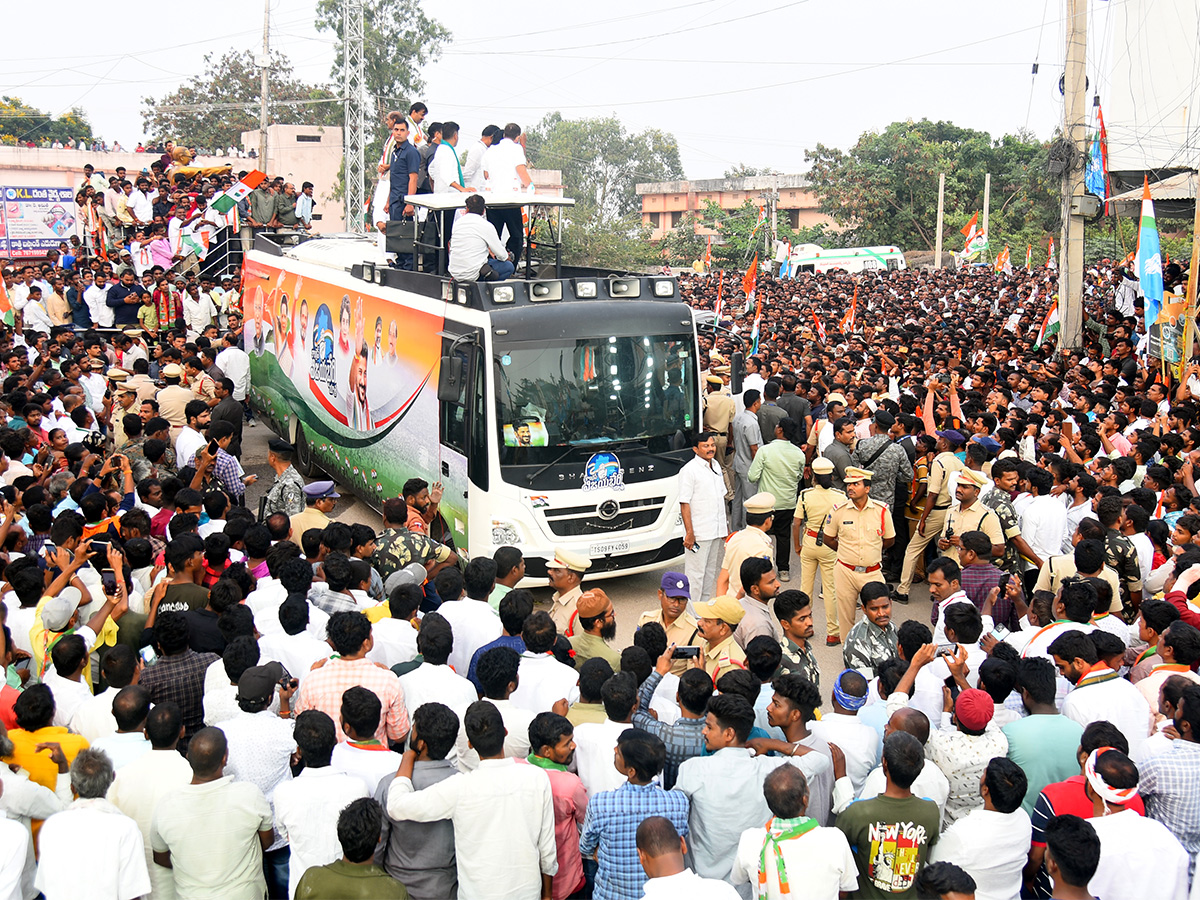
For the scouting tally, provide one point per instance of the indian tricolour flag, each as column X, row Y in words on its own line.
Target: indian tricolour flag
column 226, row 200
column 1050, row 325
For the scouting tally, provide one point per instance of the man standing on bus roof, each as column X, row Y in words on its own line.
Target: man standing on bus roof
column 405, row 166
column 565, row 572
column 287, row 492
column 422, row 500
column 505, row 170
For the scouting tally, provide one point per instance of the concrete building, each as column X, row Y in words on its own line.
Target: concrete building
column 303, row 153
column 665, row 203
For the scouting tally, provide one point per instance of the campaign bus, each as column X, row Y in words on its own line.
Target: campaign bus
column 554, row 410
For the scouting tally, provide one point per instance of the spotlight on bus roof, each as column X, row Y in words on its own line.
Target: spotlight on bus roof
column 502, row 294
column 664, row 288
column 585, row 290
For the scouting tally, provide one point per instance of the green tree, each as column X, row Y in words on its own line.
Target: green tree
column 21, row 122
column 681, row 245
column 622, row 244
column 601, row 162
column 741, row 170
column 884, row 189
column 398, row 39
column 214, row 109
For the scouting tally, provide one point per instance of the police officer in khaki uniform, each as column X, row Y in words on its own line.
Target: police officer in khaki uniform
column 719, row 652
column 812, row 509
column 565, row 572
column 753, row 540
column 937, row 503
column 719, row 410
column 858, row 531
column 969, row 514
column 681, row 627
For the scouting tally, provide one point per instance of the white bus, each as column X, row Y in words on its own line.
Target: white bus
column 814, row 258
column 553, row 409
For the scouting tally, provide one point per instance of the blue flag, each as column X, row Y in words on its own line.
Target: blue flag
column 1149, row 259
column 1093, row 176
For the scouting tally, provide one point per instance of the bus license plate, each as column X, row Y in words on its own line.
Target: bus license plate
column 608, row 548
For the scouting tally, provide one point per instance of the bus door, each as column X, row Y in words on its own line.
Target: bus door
column 462, row 432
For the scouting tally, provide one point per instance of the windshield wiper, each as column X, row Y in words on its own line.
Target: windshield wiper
column 529, row 478
column 644, row 448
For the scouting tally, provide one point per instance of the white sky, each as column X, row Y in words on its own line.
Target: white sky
column 753, row 81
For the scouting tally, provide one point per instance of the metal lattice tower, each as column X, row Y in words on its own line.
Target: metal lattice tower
column 354, row 89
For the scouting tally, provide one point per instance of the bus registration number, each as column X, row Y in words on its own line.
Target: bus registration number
column 608, row 548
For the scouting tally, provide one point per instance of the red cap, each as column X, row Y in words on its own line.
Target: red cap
column 974, row 709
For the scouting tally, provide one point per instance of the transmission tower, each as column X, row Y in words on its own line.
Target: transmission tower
column 354, row 89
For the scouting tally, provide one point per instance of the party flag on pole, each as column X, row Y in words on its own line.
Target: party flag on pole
column 1029, row 256
column 1050, row 325
column 969, row 229
column 847, row 324
column 1149, row 258
column 820, row 327
column 749, row 281
column 717, row 307
column 1004, row 261
column 1051, row 262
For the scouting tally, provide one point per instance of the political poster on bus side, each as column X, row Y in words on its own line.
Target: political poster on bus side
column 36, row 219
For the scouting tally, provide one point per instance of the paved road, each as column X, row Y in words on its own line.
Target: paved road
column 630, row 594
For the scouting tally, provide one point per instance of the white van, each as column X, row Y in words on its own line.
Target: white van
column 814, row 258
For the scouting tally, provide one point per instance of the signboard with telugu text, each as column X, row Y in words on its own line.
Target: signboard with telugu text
column 35, row 220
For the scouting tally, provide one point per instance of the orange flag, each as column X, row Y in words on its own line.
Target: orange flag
column 750, row 278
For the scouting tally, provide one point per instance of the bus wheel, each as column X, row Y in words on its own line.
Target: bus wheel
column 304, row 456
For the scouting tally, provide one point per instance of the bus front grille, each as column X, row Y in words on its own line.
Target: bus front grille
column 576, row 521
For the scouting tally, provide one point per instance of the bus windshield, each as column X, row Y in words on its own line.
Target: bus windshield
column 593, row 391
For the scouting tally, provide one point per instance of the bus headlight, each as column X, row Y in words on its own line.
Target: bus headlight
column 504, row 534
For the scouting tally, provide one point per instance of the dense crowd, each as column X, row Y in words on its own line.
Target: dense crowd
column 201, row 700
column 165, row 217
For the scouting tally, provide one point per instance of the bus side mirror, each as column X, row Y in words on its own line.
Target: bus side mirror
column 450, row 380
column 737, row 371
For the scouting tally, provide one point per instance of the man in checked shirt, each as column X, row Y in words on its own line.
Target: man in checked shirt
column 350, row 635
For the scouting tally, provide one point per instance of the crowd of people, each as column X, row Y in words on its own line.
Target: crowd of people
column 201, row 700
column 164, row 216
column 99, row 145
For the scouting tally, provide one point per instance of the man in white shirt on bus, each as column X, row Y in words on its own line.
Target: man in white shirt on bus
column 506, row 171
column 473, row 164
column 474, row 240
column 446, row 174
